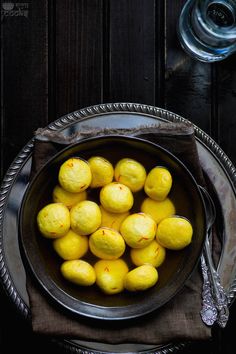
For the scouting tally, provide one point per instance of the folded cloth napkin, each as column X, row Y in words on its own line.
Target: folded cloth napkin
column 179, row 319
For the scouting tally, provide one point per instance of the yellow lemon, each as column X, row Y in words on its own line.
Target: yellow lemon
column 112, row 220
column 141, row 278
column 102, row 171
column 153, row 254
column 131, row 173
column 75, row 175
column 138, row 230
column 71, row 246
column 158, row 183
column 54, row 220
column 107, row 243
column 116, row 197
column 78, row 272
column 158, row 210
column 174, row 233
column 60, row 195
column 85, row 217
column 110, row 275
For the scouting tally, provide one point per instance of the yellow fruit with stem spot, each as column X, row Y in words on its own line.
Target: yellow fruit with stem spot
column 153, row 254
column 112, row 220
column 158, row 183
column 102, row 171
column 107, row 243
column 116, row 198
column 78, row 272
column 85, row 217
column 158, row 210
column 141, row 278
column 69, row 199
column 130, row 173
column 174, row 233
column 71, row 246
column 110, row 275
column 138, row 230
column 53, row 220
column 75, row 175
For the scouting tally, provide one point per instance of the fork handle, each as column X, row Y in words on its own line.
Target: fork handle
column 218, row 292
column 208, row 312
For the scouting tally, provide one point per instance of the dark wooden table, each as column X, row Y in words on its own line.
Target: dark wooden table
column 61, row 56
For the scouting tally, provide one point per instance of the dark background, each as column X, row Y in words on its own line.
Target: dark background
column 58, row 57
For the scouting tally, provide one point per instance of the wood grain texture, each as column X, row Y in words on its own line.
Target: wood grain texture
column 187, row 82
column 226, row 106
column 131, row 63
column 78, row 55
column 24, row 78
column 69, row 54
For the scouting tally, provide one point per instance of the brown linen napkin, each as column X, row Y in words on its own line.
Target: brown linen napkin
column 179, row 319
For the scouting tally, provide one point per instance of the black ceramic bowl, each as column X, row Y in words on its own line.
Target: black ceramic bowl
column 90, row 301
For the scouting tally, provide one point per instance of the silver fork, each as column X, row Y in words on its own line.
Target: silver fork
column 215, row 301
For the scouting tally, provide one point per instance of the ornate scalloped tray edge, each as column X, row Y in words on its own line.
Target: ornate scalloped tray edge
column 62, row 123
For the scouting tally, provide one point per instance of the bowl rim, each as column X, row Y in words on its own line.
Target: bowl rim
column 90, row 310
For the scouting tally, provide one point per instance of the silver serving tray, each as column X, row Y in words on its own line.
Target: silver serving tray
column 216, row 165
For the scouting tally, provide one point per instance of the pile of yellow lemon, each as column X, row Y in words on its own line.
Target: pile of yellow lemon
column 108, row 229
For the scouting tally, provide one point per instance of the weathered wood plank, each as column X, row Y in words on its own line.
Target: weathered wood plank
column 187, row 81
column 24, row 77
column 226, row 91
column 131, row 69
column 78, row 54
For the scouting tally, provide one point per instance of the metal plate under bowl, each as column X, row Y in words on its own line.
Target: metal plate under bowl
column 215, row 163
